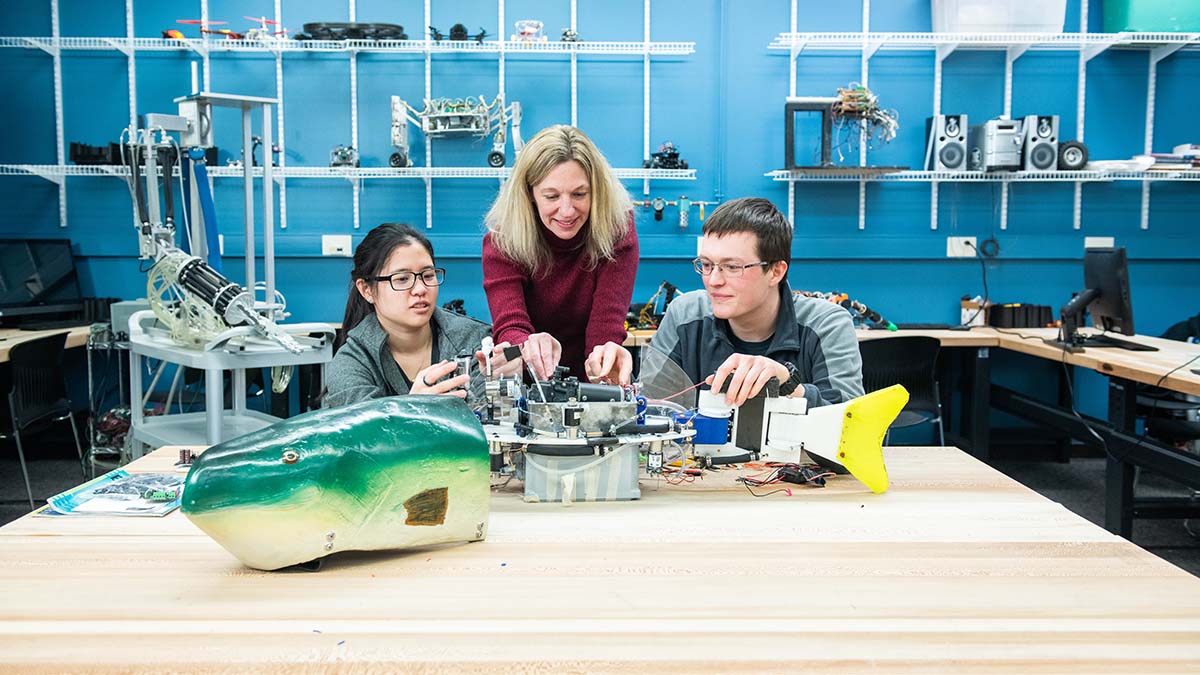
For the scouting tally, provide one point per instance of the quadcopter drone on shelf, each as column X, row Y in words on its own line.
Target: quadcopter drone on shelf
column 456, row 118
column 264, row 34
column 458, row 32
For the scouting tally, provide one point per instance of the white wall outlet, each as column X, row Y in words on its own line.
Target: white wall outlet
column 1099, row 242
column 336, row 244
column 699, row 244
column 960, row 247
column 221, row 244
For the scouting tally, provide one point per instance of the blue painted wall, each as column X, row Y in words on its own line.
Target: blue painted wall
column 720, row 105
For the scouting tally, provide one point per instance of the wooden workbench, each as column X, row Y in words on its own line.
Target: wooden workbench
column 1144, row 367
column 956, row 569
column 76, row 337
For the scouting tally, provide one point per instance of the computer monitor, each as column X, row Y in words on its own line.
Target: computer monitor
column 37, row 278
column 1106, row 297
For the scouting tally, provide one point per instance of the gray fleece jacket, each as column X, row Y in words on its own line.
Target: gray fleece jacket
column 364, row 368
column 815, row 336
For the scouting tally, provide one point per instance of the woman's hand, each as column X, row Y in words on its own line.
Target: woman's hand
column 609, row 363
column 542, row 352
column 429, row 381
column 501, row 366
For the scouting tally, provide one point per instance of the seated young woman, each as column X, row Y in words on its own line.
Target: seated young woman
column 396, row 339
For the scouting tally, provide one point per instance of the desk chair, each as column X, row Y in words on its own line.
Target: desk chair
column 1171, row 416
column 38, row 395
column 910, row 361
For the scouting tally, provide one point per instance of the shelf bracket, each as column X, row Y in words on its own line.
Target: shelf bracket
column 123, row 46
column 49, row 46
column 797, row 46
column 1159, row 53
column 944, row 50
column 37, row 170
column 1092, row 51
column 872, row 46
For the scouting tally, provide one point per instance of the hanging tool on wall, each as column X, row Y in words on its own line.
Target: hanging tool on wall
column 685, row 206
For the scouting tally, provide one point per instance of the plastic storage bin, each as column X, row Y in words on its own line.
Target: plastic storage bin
column 998, row 16
column 612, row 477
column 1155, row 16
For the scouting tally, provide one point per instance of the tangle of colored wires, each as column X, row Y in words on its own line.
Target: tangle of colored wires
column 779, row 473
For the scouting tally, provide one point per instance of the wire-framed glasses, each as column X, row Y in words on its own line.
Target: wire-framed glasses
column 705, row 267
column 402, row 281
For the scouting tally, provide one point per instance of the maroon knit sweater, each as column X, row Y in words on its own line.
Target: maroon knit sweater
column 581, row 308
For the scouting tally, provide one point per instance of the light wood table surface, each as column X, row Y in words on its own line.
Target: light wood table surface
column 76, row 337
column 976, row 337
column 956, row 569
column 1144, row 367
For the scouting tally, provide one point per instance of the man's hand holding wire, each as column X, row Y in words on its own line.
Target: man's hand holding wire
column 746, row 376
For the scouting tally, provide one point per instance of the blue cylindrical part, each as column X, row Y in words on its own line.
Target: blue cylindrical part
column 709, row 430
column 207, row 208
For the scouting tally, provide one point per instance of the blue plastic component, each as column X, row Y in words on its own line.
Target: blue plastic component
column 709, row 430
column 206, row 207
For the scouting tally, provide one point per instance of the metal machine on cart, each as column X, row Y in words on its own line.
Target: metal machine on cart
column 200, row 318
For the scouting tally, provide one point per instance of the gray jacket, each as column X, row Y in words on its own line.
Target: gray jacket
column 364, row 368
column 816, row 336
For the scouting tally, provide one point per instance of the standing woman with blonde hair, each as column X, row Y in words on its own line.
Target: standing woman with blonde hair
column 560, row 254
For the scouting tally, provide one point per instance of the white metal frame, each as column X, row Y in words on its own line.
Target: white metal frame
column 1088, row 45
column 205, row 46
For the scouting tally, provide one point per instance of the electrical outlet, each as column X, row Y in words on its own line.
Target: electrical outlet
column 336, row 244
column 221, row 244
column 960, row 247
column 1099, row 242
column 699, row 244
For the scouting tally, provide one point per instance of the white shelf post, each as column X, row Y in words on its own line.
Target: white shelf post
column 56, row 54
column 646, row 90
column 279, row 124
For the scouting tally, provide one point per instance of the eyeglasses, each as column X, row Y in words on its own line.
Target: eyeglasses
column 402, row 281
column 706, row 267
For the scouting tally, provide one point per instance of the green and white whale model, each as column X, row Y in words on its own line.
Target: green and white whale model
column 388, row 473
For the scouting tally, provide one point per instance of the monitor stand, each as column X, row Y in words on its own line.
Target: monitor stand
column 1102, row 340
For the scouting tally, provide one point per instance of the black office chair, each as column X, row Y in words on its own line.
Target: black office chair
column 1169, row 414
column 38, row 395
column 909, row 361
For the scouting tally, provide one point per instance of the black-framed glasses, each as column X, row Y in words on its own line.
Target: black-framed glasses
column 402, row 281
column 706, row 267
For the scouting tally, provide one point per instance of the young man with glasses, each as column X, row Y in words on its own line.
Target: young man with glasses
column 746, row 327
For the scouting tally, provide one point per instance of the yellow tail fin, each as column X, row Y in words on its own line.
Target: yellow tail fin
column 864, row 424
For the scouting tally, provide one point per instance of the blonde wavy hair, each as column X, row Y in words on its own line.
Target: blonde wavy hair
column 513, row 219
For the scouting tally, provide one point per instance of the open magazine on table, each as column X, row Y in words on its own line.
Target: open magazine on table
column 119, row 493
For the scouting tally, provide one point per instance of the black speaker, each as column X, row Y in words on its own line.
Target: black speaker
column 946, row 143
column 1039, row 152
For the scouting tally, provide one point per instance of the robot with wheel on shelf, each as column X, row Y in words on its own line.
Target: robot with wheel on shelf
column 456, row 118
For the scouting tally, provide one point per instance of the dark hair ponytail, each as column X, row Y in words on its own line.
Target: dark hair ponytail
column 369, row 258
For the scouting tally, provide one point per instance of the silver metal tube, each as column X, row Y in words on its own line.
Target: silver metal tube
column 248, row 186
column 268, row 191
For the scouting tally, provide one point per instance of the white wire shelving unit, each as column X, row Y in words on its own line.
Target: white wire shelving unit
column 54, row 171
column 207, row 47
column 867, row 44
